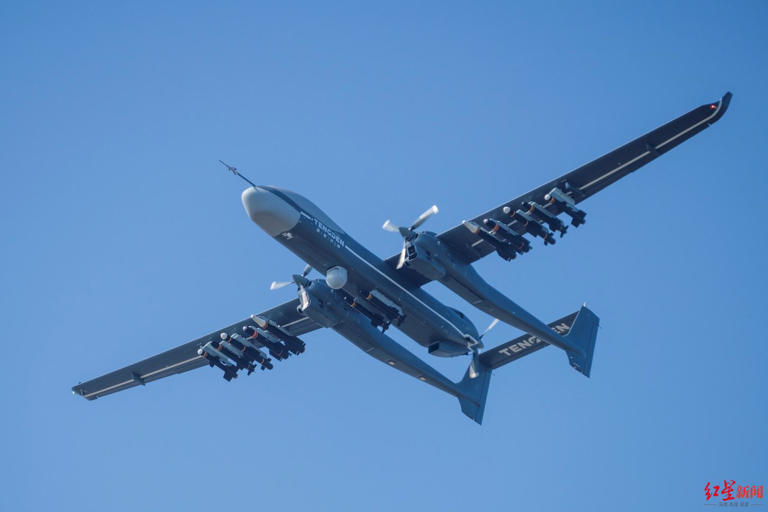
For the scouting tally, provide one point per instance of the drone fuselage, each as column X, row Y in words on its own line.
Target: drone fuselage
column 309, row 233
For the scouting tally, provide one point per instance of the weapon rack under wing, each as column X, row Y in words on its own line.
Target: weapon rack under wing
column 185, row 357
column 581, row 183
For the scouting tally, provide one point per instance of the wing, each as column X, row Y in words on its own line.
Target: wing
column 584, row 181
column 184, row 357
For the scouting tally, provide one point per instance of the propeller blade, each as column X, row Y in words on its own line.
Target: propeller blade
column 306, row 271
column 388, row 226
column 493, row 324
column 401, row 261
column 424, row 216
column 473, row 373
column 276, row 286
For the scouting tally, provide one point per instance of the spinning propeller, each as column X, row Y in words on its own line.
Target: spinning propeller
column 277, row 285
column 493, row 324
column 409, row 234
column 473, row 364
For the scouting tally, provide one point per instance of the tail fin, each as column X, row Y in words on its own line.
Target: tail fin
column 583, row 334
column 581, row 328
column 473, row 389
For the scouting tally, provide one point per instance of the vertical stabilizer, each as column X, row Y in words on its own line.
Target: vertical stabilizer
column 473, row 389
column 583, row 334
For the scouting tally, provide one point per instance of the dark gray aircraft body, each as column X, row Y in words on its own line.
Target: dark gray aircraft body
column 361, row 295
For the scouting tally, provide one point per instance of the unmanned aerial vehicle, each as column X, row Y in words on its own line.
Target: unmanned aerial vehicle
column 361, row 295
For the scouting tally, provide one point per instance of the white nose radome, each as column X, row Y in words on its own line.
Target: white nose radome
column 270, row 212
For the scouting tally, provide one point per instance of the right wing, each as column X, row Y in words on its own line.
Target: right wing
column 583, row 182
column 184, row 357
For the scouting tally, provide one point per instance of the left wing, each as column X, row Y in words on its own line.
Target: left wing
column 580, row 183
column 184, row 357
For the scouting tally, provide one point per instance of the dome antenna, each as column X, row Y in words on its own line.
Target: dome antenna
column 234, row 171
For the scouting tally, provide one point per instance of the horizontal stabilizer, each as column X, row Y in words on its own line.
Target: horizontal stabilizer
column 523, row 345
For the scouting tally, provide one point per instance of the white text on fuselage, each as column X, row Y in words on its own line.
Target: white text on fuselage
column 333, row 237
column 530, row 341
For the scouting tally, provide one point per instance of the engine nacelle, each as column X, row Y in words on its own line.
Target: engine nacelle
column 423, row 255
column 319, row 302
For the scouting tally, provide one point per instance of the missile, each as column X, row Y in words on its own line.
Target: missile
column 520, row 243
column 209, row 349
column 260, row 339
column 251, row 347
column 530, row 224
column 258, row 356
column 390, row 312
column 235, row 342
column 250, row 350
column 552, row 220
column 216, row 358
column 243, row 362
column 503, row 248
column 293, row 343
column 261, row 358
column 566, row 202
column 375, row 319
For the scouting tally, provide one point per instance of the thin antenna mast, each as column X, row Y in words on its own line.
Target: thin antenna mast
column 234, row 171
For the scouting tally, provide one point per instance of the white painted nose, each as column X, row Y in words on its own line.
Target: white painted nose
column 270, row 212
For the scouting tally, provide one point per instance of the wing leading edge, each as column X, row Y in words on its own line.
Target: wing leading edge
column 585, row 181
column 185, row 357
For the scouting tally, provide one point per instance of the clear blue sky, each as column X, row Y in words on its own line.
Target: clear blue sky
column 122, row 237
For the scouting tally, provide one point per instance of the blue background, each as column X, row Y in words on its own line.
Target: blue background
column 122, row 236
